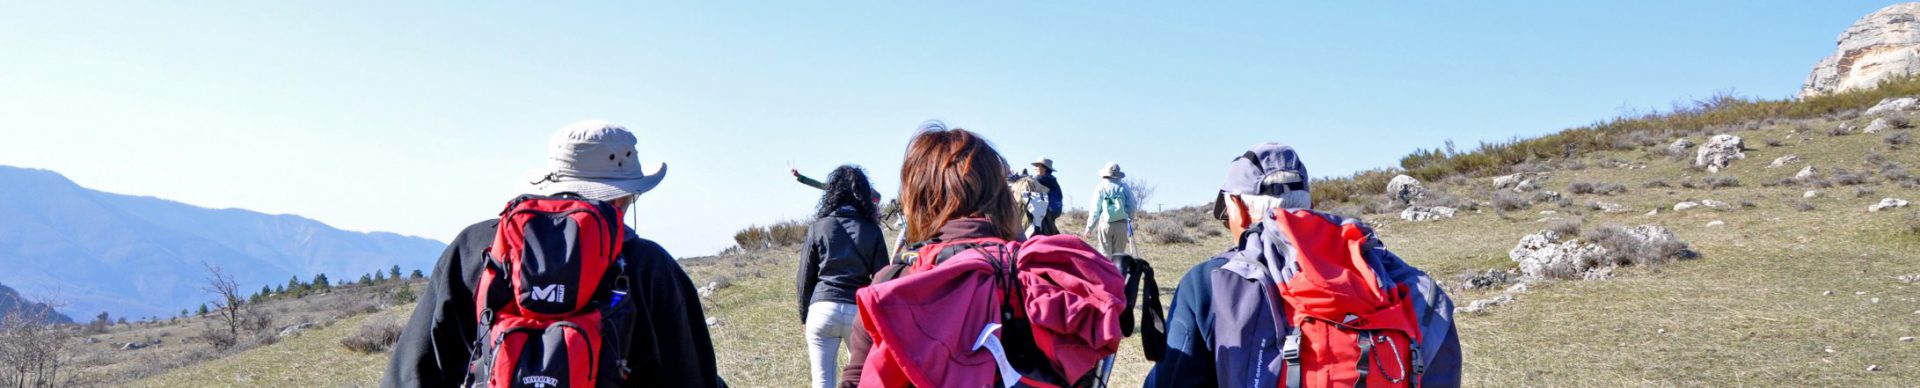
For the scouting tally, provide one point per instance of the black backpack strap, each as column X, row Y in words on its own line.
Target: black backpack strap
column 1153, row 315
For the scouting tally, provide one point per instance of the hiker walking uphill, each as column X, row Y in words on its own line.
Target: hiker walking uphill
column 1303, row 299
column 1044, row 174
column 844, row 247
column 558, row 291
column 970, row 305
column 1110, row 220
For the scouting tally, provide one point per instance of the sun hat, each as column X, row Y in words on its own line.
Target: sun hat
column 596, row 160
column 1044, row 163
column 1112, row 170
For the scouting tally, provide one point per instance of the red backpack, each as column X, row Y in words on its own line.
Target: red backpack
column 1348, row 326
column 552, row 297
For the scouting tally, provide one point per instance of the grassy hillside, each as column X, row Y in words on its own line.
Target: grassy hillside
column 1787, row 290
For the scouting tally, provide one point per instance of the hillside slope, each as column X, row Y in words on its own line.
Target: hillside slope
column 140, row 256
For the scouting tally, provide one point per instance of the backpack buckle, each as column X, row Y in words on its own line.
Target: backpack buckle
column 1419, row 363
column 1290, row 350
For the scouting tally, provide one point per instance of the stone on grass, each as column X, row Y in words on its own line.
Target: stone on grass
column 1811, row 194
column 1403, row 190
column 1610, row 207
column 1685, row 205
column 1713, row 204
column 1716, row 223
column 1719, row 151
column 1806, row 173
column 1887, row 203
column 1426, row 213
column 1782, row 161
column 1892, row 105
column 1878, row 125
column 1680, row 146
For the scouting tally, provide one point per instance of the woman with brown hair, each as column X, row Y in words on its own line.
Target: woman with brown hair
column 968, row 282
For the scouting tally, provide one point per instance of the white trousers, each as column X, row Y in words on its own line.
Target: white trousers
column 828, row 325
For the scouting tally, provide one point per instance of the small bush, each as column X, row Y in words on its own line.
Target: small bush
column 1748, row 204
column 1802, row 205
column 1776, row 143
column 1687, row 182
column 1598, row 188
column 780, row 234
column 1566, row 228
column 1898, row 139
column 1507, row 201
column 1912, row 224
column 1656, row 183
column 1839, row 130
column 1623, row 248
column 1166, row 232
column 1862, row 192
column 373, row 336
column 1844, row 177
column 1719, row 181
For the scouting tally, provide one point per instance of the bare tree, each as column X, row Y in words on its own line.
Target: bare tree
column 227, row 301
column 1142, row 190
column 31, row 347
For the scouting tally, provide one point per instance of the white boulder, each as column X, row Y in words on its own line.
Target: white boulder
column 1887, row 203
column 1718, row 152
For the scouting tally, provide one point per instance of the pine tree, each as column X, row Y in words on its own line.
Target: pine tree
column 203, row 309
column 366, row 279
column 394, row 273
column 379, row 277
column 183, row 312
column 320, row 282
column 416, row 274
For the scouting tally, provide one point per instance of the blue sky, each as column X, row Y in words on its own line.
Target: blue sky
column 417, row 117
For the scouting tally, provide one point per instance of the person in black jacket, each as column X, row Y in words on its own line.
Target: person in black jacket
column 1055, row 201
column 668, row 346
column 844, row 247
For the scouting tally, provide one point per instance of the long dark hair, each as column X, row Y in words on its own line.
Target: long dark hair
column 848, row 186
column 953, row 174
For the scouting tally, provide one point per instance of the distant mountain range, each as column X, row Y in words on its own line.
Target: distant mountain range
column 11, row 301
column 139, row 256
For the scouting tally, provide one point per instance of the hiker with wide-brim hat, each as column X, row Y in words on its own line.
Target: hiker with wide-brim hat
column 1110, row 219
column 1055, row 202
column 595, row 163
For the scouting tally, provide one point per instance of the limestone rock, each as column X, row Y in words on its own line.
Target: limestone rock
column 1782, row 161
column 1426, row 213
column 1549, row 255
column 1810, row 194
column 1403, row 190
column 1680, row 146
column 1878, row 125
column 1682, row 206
column 1892, row 105
column 1718, row 152
column 1712, row 204
column 1610, row 207
column 1887, row 203
column 1880, row 46
column 1806, row 173
column 1716, row 223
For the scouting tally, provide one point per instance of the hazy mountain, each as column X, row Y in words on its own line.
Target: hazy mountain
column 11, row 301
column 140, row 256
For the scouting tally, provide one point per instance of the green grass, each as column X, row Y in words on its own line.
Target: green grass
column 313, row 358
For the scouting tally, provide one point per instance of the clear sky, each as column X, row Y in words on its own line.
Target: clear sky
column 418, row 118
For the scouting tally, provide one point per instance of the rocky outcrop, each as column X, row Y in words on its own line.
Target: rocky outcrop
column 1783, row 161
column 1892, row 105
column 1403, row 190
column 1424, row 213
column 1549, row 255
column 1680, row 146
column 1878, row 125
column 1719, row 151
column 1806, row 173
column 1881, row 46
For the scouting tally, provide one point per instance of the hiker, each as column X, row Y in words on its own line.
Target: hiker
column 844, row 247
column 1031, row 197
column 1110, row 221
column 1340, row 320
column 590, row 284
column 1043, row 169
column 969, row 304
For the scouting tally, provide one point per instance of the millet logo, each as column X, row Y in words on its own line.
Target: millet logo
column 555, row 293
column 540, row 381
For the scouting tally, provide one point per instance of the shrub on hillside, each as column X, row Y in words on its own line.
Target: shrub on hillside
column 1599, row 188
column 1166, row 232
column 1844, row 177
column 1719, row 181
column 373, row 336
column 1898, row 121
column 1624, row 248
column 1508, row 201
column 1839, row 130
column 1898, row 139
column 1565, row 227
column 1776, row 143
column 780, row 234
column 1656, row 182
column 1803, row 205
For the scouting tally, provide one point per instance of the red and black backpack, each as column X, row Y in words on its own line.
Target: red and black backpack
column 552, row 298
column 1348, row 325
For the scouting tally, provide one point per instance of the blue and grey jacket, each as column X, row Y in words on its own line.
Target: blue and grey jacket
column 1224, row 329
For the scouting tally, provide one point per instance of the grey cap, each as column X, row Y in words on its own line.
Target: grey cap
column 596, row 160
column 1266, row 169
